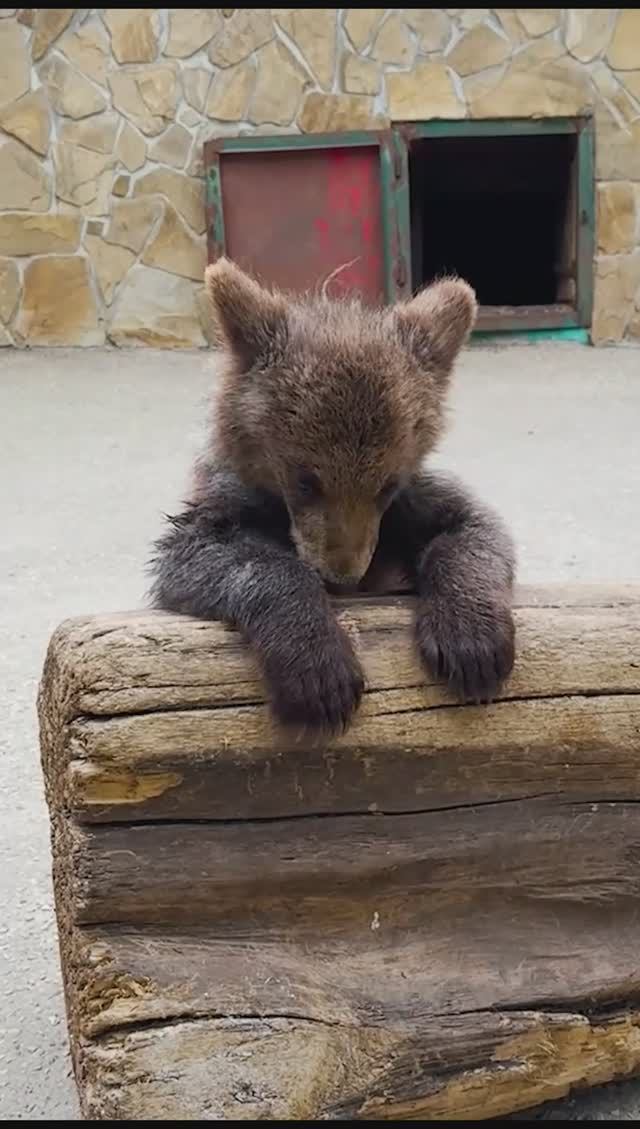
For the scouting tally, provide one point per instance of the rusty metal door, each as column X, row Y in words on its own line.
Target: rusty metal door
column 305, row 211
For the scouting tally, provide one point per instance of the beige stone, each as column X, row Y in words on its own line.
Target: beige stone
column 121, row 185
column 230, row 92
column 87, row 48
column 134, row 33
column 131, row 148
column 313, row 30
column 79, row 173
column 616, row 217
column 539, row 21
column 243, row 33
column 468, row 17
column 511, row 25
column 206, row 316
column 69, row 92
column 360, row 24
column 393, row 45
column 190, row 29
column 614, row 94
column 432, row 27
column 478, row 49
column 29, row 120
column 172, row 148
column 617, row 280
column 15, row 71
column 101, row 204
column 48, row 24
column 552, row 87
column 196, row 82
column 189, row 117
column 175, row 248
column 476, row 86
column 95, row 227
column 633, row 328
column 58, row 304
column 110, row 264
column 588, row 31
column 158, row 309
column 24, row 183
column 24, row 234
column 624, row 50
column 9, row 289
column 359, row 75
column 196, row 162
column 327, row 113
column 545, row 50
column 279, row 85
column 425, row 92
column 186, row 193
column 132, row 220
column 98, row 133
column 631, row 82
column 148, row 96
column 267, row 130
column 618, row 150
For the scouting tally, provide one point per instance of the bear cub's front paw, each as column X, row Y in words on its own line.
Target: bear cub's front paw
column 471, row 647
column 316, row 686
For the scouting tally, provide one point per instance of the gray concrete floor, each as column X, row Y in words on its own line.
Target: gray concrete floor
column 94, row 445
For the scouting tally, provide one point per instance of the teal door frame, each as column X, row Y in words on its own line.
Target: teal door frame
column 394, row 145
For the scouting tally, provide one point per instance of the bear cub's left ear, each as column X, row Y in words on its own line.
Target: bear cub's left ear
column 436, row 323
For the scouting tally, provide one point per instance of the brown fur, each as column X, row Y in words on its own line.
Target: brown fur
column 352, row 396
column 313, row 477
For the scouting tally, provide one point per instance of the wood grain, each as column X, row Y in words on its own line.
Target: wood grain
column 434, row 917
column 157, row 716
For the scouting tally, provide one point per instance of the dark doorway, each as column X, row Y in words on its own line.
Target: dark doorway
column 502, row 213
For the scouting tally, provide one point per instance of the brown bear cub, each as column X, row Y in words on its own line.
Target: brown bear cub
column 313, row 480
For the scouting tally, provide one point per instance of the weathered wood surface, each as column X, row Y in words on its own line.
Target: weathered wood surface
column 434, row 917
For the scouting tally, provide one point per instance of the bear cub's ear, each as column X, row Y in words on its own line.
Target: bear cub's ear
column 251, row 320
column 436, row 323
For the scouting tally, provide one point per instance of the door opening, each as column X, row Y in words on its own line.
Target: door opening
column 502, row 212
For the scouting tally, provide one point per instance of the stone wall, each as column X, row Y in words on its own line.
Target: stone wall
column 103, row 114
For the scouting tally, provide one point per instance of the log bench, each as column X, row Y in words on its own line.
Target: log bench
column 433, row 917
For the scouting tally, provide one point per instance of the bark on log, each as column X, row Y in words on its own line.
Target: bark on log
column 434, row 917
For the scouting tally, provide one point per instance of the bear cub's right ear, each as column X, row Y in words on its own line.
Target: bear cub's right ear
column 251, row 320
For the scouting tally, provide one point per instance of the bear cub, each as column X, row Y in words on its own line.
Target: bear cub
column 313, row 481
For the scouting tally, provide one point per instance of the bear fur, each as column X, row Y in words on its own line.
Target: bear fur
column 313, row 481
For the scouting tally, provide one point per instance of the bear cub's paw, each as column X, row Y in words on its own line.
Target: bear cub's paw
column 317, row 691
column 472, row 647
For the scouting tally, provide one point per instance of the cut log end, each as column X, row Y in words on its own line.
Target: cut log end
column 433, row 917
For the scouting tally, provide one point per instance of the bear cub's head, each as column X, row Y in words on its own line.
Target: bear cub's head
column 333, row 405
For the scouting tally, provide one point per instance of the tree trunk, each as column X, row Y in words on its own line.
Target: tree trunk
column 433, row 917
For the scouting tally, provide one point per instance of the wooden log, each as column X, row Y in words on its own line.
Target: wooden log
column 433, row 917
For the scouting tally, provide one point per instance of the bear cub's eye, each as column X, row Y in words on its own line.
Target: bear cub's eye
column 386, row 494
column 308, row 486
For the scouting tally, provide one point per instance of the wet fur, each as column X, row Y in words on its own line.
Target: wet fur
column 353, row 399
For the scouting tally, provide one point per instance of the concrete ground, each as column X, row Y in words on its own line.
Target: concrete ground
column 94, row 445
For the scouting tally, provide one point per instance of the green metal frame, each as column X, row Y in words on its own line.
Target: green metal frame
column 394, row 190
column 394, row 147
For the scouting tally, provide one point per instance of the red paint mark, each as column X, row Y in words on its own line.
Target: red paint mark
column 349, row 225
